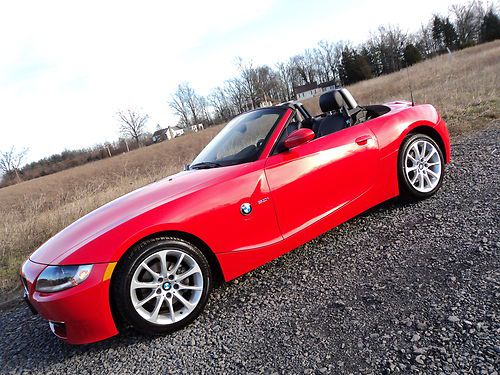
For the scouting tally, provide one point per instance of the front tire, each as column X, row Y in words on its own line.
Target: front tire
column 161, row 285
column 420, row 167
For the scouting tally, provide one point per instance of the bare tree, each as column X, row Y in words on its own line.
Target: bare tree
column 248, row 79
column 423, row 38
column 329, row 57
column 178, row 104
column 11, row 160
column 285, row 79
column 132, row 124
column 266, row 83
column 219, row 101
column 203, row 104
column 468, row 19
column 304, row 65
column 235, row 91
column 191, row 107
column 385, row 49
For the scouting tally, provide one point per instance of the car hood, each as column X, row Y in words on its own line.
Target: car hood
column 119, row 211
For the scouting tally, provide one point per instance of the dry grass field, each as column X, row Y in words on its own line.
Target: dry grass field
column 463, row 86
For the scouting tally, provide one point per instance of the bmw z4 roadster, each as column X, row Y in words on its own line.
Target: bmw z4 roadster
column 271, row 180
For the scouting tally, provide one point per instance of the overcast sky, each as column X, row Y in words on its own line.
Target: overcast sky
column 66, row 67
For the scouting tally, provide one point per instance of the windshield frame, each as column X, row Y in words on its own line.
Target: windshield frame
column 283, row 113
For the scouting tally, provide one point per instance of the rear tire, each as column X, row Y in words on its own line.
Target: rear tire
column 420, row 167
column 161, row 285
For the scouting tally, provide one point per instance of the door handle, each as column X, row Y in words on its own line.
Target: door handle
column 363, row 140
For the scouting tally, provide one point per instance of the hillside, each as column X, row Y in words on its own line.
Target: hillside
column 463, row 86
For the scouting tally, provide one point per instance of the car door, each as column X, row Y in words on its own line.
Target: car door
column 321, row 177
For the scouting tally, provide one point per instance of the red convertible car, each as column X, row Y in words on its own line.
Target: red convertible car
column 271, row 180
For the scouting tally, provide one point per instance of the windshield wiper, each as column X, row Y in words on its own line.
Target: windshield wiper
column 205, row 165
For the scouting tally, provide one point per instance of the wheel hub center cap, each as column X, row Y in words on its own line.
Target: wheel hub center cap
column 420, row 166
column 167, row 286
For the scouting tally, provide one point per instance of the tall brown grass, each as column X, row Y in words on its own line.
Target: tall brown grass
column 463, row 86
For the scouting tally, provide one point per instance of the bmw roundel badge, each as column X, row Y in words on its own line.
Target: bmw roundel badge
column 246, row 209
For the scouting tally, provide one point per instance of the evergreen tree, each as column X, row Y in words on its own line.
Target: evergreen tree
column 355, row 67
column 449, row 35
column 443, row 33
column 490, row 27
column 411, row 55
column 437, row 31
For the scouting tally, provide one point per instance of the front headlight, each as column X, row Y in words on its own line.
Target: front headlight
column 57, row 278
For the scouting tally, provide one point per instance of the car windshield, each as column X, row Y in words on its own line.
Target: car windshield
column 241, row 141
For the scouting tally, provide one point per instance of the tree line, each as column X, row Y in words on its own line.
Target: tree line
column 387, row 50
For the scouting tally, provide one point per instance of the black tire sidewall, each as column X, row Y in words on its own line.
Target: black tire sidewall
column 125, row 271
column 406, row 189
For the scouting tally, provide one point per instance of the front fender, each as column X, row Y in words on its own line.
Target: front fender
column 110, row 246
column 211, row 214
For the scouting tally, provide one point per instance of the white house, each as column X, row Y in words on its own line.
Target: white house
column 310, row 90
column 174, row 131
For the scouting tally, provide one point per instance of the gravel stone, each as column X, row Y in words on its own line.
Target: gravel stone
column 421, row 326
column 371, row 285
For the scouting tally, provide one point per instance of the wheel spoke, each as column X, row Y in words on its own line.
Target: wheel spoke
column 162, row 255
column 432, row 164
column 428, row 180
column 135, row 284
column 414, row 179
column 430, row 154
column 155, row 275
column 184, row 301
column 409, row 169
column 171, row 309
column 423, row 149
column 192, row 271
column 156, row 311
column 147, row 299
column 433, row 173
column 421, row 181
column 417, row 152
column 176, row 267
column 189, row 287
column 412, row 159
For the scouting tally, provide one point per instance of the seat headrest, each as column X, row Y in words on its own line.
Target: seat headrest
column 348, row 99
column 331, row 101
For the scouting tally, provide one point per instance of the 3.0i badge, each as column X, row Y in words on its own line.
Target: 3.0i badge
column 246, row 209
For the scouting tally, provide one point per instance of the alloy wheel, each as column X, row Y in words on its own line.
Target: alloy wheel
column 166, row 286
column 423, row 166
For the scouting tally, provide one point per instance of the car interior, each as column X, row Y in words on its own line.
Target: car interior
column 339, row 111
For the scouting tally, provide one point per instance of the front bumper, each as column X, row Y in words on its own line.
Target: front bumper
column 79, row 315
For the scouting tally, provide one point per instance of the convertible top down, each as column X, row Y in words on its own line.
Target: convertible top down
column 271, row 180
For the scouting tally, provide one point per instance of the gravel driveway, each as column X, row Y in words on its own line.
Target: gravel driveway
column 401, row 289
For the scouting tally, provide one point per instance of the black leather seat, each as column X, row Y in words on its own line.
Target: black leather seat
column 331, row 124
column 332, row 103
